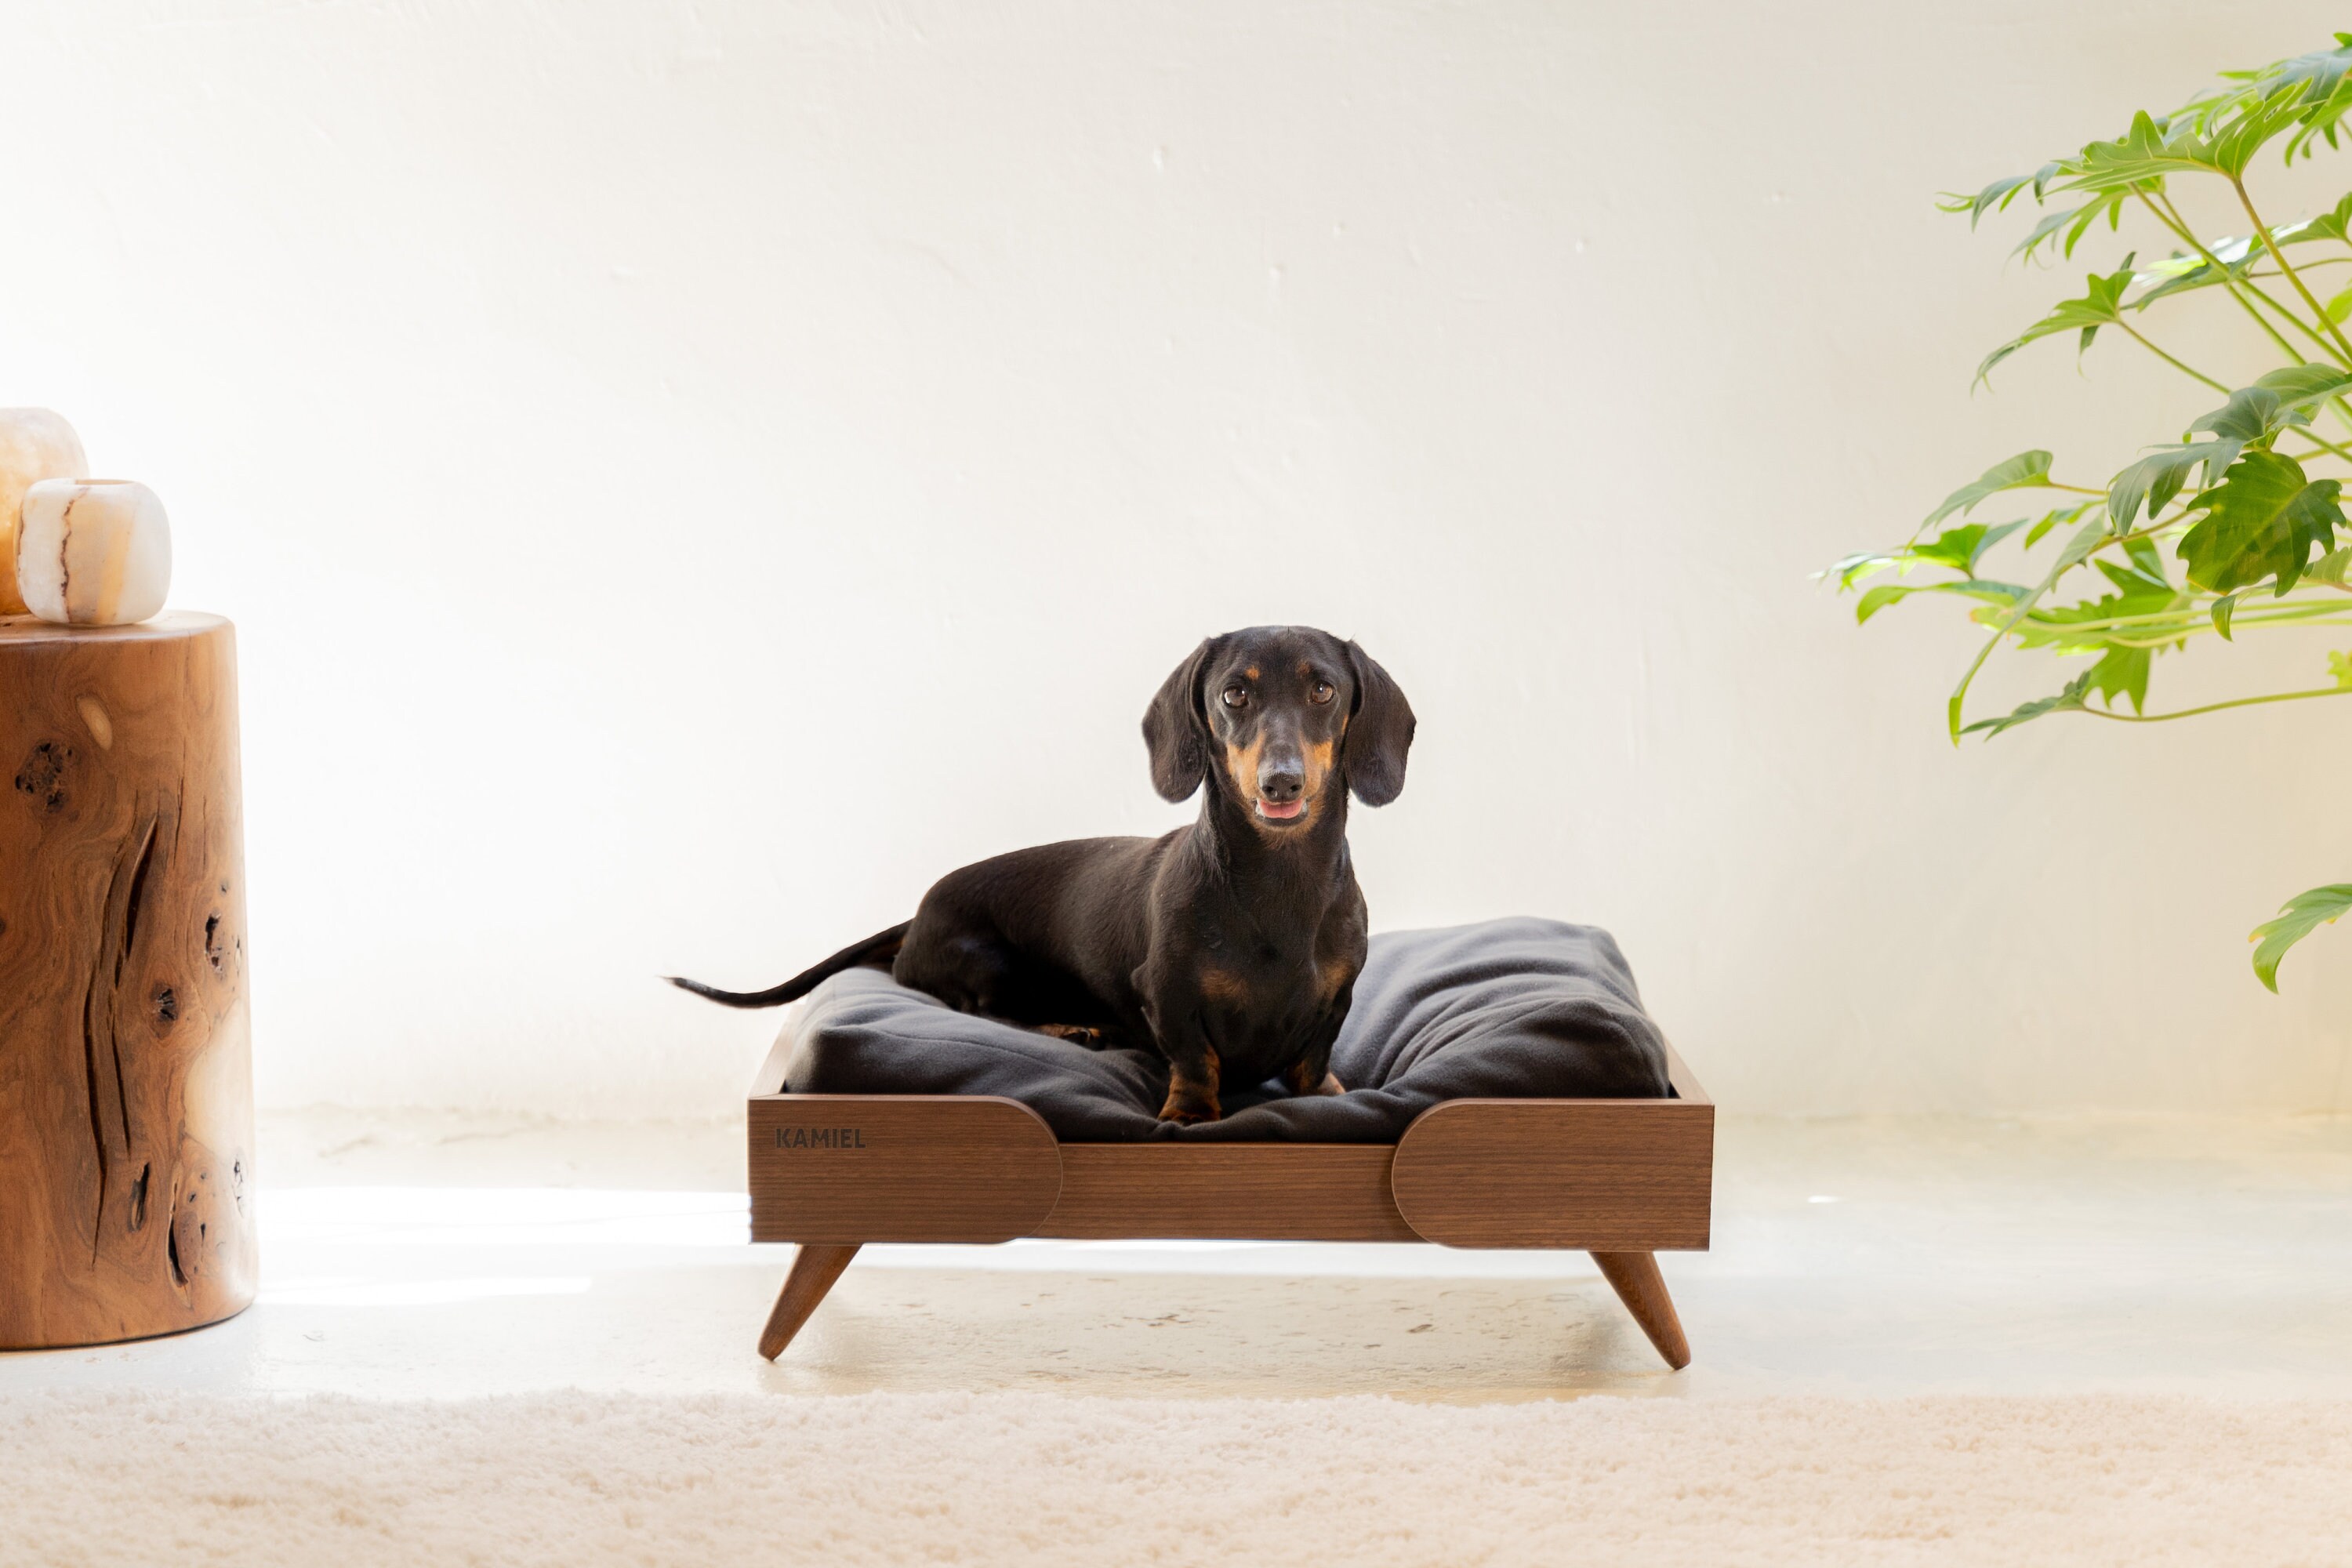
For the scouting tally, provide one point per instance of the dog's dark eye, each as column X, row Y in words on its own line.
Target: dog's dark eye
column 1236, row 698
column 1321, row 691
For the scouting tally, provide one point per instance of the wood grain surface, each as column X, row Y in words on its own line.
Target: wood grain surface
column 844, row 1168
column 1634, row 1276
column 814, row 1270
column 1254, row 1192
column 126, row 1106
column 1616, row 1175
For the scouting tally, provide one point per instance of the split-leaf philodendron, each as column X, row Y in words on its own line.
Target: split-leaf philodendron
column 2235, row 526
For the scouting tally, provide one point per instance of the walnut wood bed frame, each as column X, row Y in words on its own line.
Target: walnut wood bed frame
column 1621, row 1179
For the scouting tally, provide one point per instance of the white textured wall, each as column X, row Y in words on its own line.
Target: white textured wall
column 687, row 474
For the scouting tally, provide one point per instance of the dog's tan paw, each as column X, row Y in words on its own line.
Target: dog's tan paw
column 1294, row 1079
column 1186, row 1110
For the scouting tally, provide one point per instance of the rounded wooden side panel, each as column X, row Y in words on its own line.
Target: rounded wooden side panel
column 1615, row 1175
column 849, row 1168
column 126, row 1099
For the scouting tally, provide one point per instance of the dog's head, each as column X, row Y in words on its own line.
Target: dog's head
column 1279, row 719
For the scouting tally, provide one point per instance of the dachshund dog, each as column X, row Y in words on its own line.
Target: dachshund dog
column 1232, row 945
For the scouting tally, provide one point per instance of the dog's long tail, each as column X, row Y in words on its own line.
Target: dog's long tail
column 875, row 952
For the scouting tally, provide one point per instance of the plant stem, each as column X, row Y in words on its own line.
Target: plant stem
column 1954, row 705
column 2216, row 707
column 2244, row 280
column 2183, row 632
column 2200, row 615
column 2299, row 324
column 2335, row 404
column 2307, row 266
column 2325, row 445
column 2170, row 215
column 2170, row 218
column 2343, row 345
column 2175, row 364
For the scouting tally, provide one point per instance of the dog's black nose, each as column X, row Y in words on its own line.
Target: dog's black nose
column 1281, row 782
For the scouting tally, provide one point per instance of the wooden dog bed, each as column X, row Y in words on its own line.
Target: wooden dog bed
column 1621, row 1179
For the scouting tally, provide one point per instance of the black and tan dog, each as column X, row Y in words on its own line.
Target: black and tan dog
column 1231, row 946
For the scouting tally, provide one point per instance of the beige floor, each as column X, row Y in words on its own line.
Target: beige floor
column 443, row 1257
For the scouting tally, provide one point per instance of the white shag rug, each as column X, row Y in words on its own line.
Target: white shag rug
column 107, row 1478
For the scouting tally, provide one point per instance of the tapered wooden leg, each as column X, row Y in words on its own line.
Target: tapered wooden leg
column 1634, row 1276
column 815, row 1268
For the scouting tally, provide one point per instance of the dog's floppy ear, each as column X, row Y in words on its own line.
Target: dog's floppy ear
column 1175, row 730
column 1379, row 732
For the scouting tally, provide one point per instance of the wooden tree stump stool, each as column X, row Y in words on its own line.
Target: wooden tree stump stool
column 126, row 1097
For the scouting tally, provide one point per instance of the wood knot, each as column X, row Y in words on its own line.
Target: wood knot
column 43, row 776
column 93, row 715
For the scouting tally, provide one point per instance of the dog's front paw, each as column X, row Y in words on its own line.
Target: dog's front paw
column 1294, row 1079
column 1187, row 1106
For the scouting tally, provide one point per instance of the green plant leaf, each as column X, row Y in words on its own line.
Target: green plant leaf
column 2339, row 671
column 2254, row 416
column 2145, row 568
column 1997, row 196
column 2297, row 918
column 2329, row 225
column 2024, row 471
column 2080, row 628
column 1959, row 547
column 2157, row 478
column 1850, row 570
column 2050, row 520
column 2180, row 271
column 2306, row 386
column 2261, row 521
column 2219, row 135
column 2101, row 305
column 2237, row 254
column 2123, row 672
column 1956, row 550
column 1878, row 599
column 2330, row 568
column 2139, row 159
column 2223, row 607
column 2078, row 548
column 2063, row 229
column 2069, row 698
column 2237, row 138
column 2309, row 88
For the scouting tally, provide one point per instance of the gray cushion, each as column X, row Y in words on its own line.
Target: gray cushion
column 1509, row 1008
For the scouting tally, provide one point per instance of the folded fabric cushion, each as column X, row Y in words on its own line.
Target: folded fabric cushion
column 1518, row 1007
